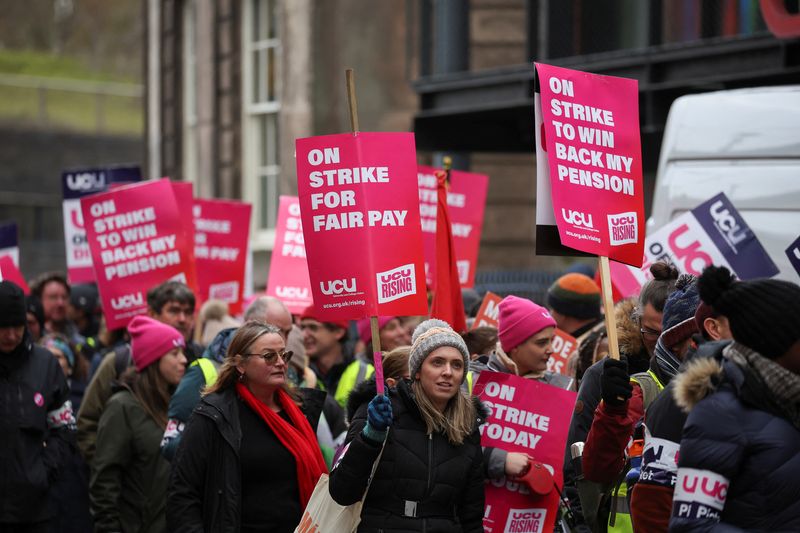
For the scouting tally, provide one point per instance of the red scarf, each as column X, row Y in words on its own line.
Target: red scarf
column 297, row 437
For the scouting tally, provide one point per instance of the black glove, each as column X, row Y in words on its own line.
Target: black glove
column 615, row 384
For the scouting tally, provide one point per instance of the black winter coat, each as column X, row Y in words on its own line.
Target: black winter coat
column 443, row 482
column 37, row 429
column 205, row 483
column 733, row 434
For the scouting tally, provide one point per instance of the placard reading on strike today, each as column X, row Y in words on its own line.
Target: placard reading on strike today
column 288, row 269
column 713, row 233
column 359, row 204
column 590, row 125
column 221, row 233
column 77, row 184
column 138, row 240
column 466, row 200
column 526, row 417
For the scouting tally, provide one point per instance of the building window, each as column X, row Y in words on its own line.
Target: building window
column 190, row 81
column 261, row 69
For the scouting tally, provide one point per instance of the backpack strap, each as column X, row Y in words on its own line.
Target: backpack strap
column 122, row 359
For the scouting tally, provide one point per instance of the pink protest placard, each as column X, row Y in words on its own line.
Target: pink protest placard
column 564, row 345
column 526, row 417
column 288, row 269
column 359, row 203
column 184, row 197
column 138, row 240
column 591, row 133
column 488, row 311
column 466, row 199
column 221, row 234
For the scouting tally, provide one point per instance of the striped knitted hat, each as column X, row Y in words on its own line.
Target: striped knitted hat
column 575, row 295
column 430, row 335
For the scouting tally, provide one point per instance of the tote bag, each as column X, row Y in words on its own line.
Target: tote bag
column 324, row 515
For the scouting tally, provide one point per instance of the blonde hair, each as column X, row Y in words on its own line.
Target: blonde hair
column 458, row 420
column 240, row 345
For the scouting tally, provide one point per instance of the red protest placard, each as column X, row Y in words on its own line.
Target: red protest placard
column 359, row 203
column 591, row 133
column 487, row 314
column 288, row 269
column 527, row 417
column 221, row 234
column 138, row 240
column 466, row 200
column 10, row 272
column 564, row 345
column 184, row 197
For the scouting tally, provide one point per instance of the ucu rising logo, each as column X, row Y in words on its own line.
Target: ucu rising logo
column 726, row 224
column 291, row 293
column 396, row 283
column 576, row 218
column 525, row 520
column 86, row 181
column 623, row 228
column 337, row 286
column 127, row 301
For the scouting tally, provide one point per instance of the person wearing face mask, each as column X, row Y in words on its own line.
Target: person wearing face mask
column 248, row 459
column 128, row 484
column 430, row 474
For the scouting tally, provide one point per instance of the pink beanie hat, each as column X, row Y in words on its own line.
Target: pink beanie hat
column 151, row 340
column 520, row 319
column 365, row 331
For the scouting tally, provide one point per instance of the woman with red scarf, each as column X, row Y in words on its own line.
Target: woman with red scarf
column 249, row 459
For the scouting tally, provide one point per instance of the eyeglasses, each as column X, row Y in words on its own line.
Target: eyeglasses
column 271, row 357
column 648, row 333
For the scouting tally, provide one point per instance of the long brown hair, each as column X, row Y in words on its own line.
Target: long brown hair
column 457, row 421
column 242, row 342
column 152, row 391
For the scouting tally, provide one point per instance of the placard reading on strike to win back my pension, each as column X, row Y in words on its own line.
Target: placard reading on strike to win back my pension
column 360, row 210
column 589, row 157
column 137, row 237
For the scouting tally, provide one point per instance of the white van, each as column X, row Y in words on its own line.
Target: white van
column 745, row 143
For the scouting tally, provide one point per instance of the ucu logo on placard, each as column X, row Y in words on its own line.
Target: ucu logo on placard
column 576, row 218
column 714, row 488
column 86, row 181
column 291, row 292
column 396, row 283
column 726, row 224
column 623, row 228
column 525, row 520
column 126, row 302
column 338, row 286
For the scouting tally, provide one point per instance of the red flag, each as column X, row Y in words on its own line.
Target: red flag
column 447, row 303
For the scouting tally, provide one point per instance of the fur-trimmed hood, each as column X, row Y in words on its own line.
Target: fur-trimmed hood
column 701, row 377
column 628, row 334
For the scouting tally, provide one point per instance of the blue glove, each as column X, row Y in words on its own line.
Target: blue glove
column 379, row 418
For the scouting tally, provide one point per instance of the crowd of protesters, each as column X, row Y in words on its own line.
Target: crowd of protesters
column 202, row 421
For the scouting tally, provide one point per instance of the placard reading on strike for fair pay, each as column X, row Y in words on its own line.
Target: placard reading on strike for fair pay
column 590, row 127
column 288, row 270
column 359, row 204
column 221, row 234
column 77, row 184
column 466, row 199
column 526, row 417
column 713, row 233
column 138, row 240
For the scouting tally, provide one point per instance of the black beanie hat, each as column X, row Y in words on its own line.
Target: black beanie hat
column 33, row 305
column 764, row 314
column 12, row 305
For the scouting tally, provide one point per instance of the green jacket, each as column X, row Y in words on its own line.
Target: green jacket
column 128, row 487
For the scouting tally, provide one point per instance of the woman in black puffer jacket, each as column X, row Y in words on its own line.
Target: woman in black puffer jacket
column 430, row 476
column 739, row 461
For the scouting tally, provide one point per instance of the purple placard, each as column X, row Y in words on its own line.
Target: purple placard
column 734, row 238
column 8, row 235
column 793, row 253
